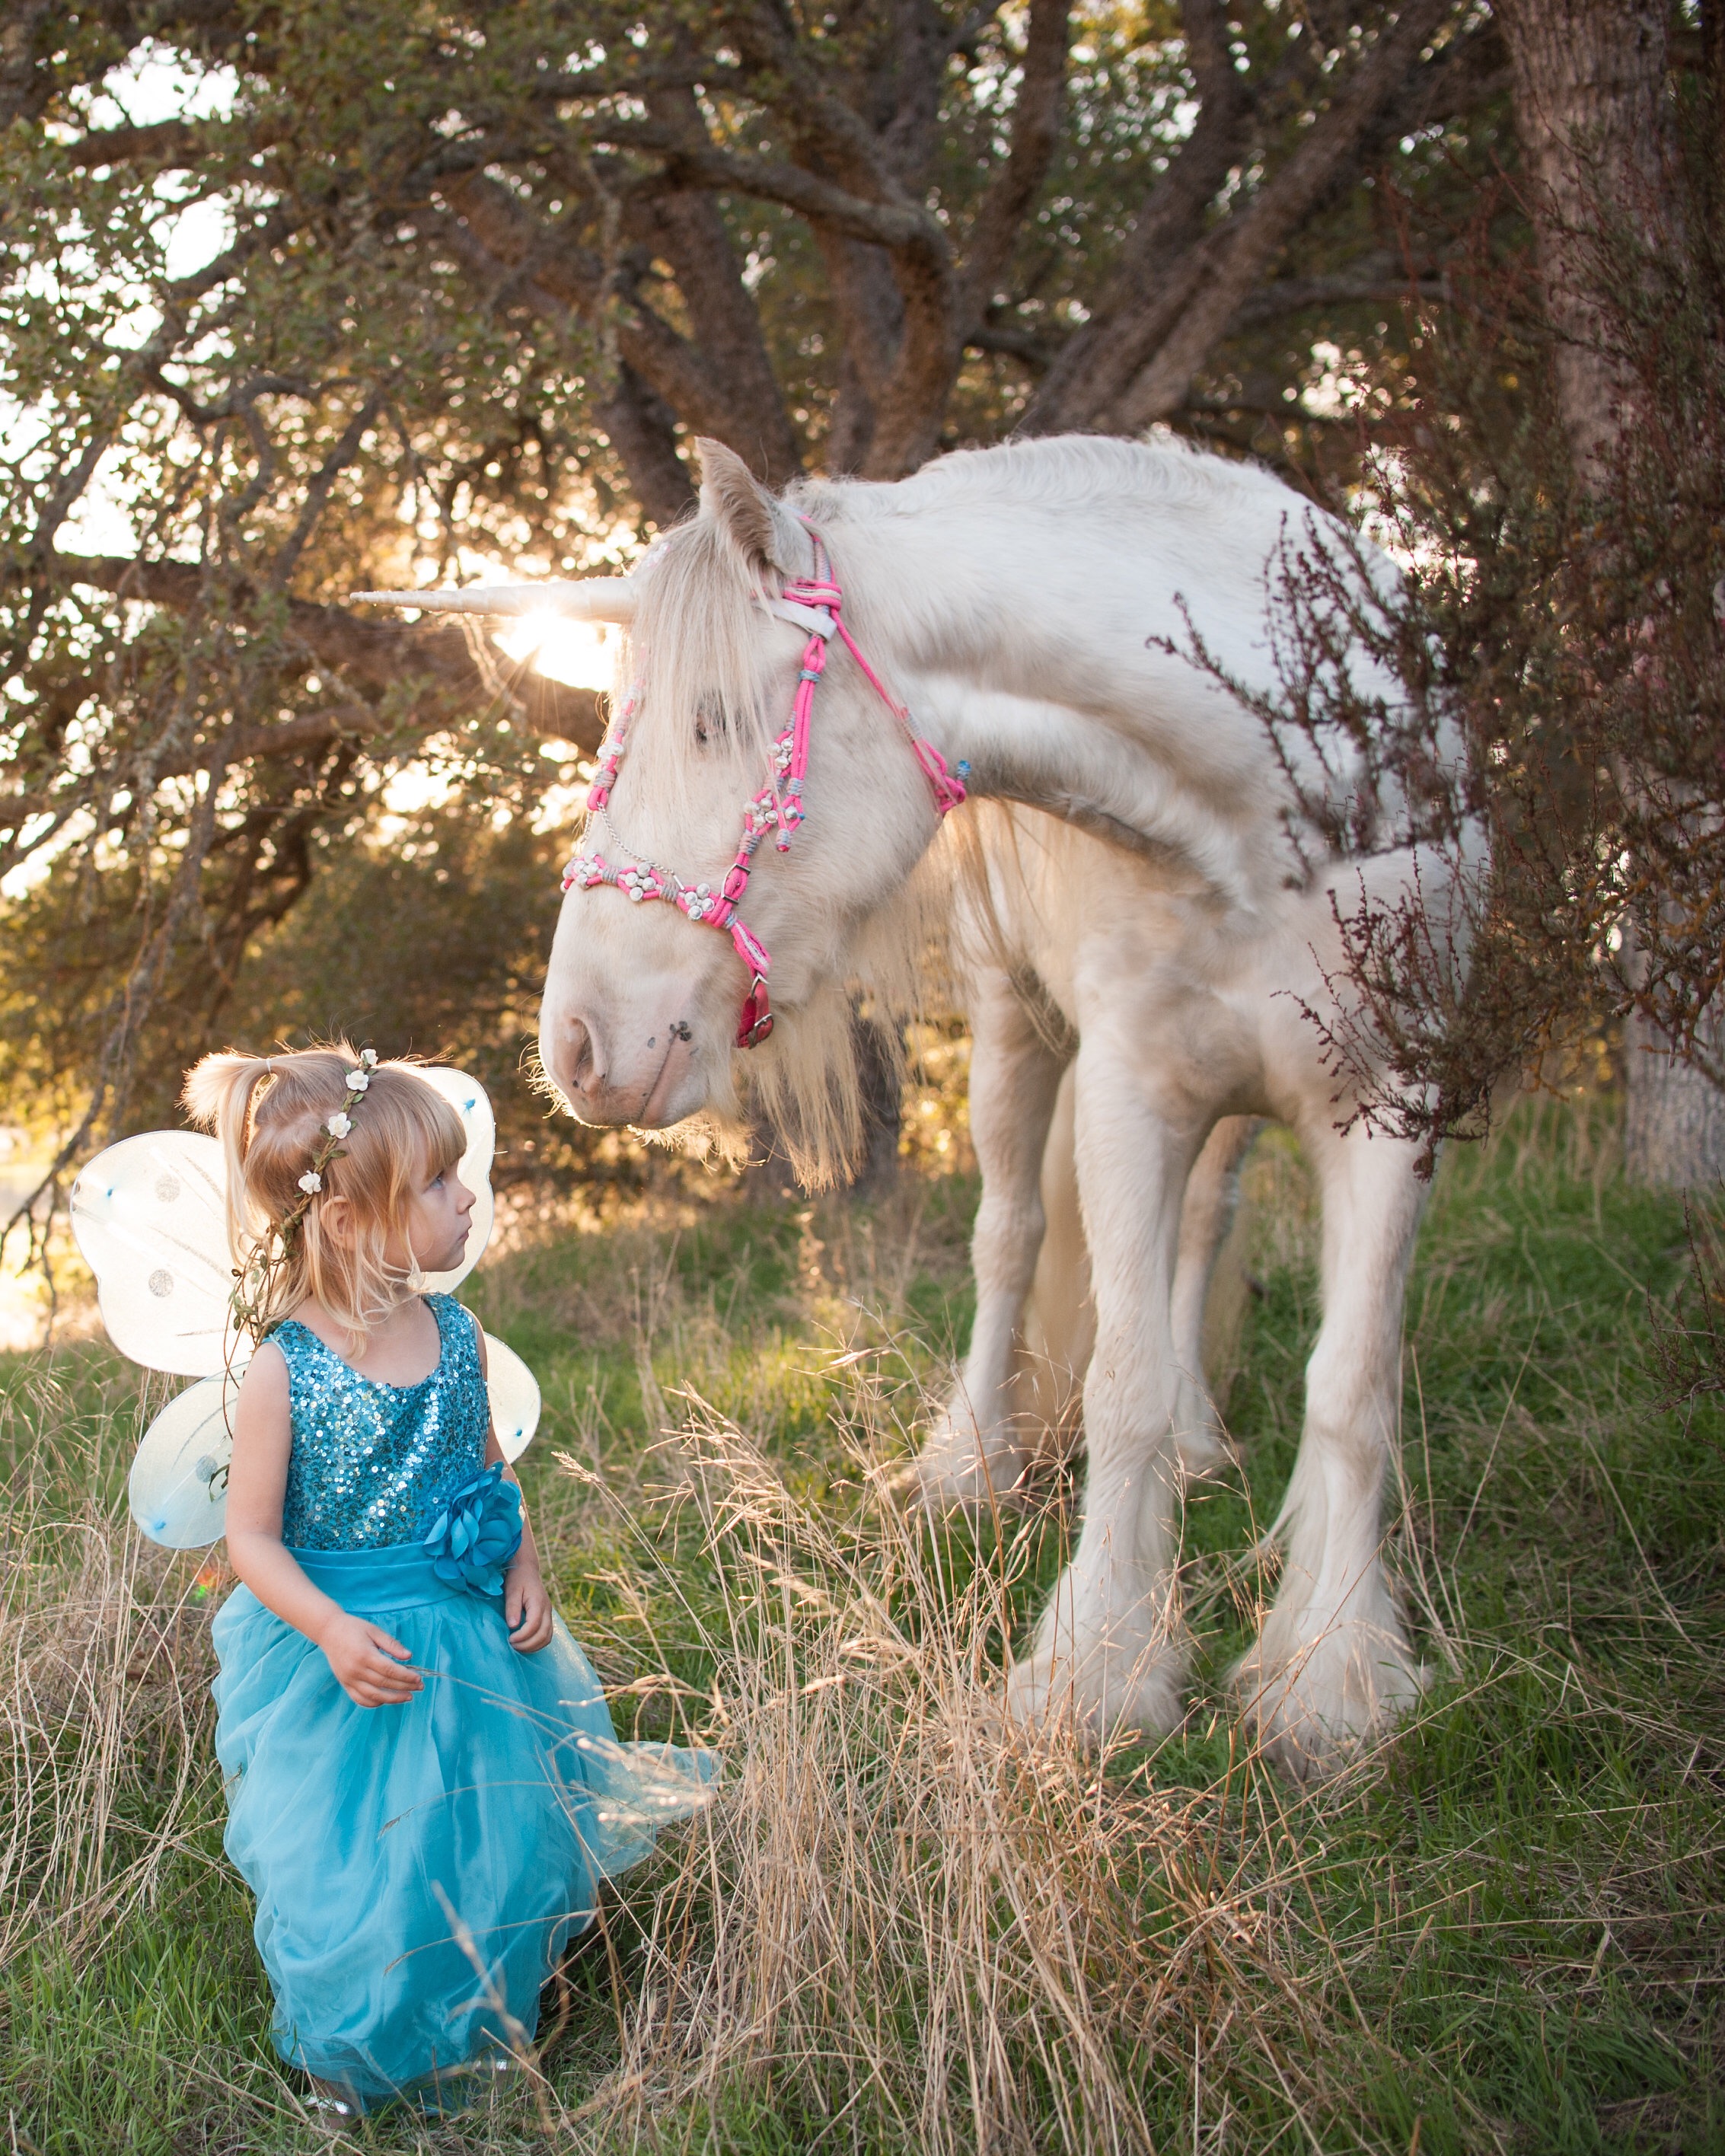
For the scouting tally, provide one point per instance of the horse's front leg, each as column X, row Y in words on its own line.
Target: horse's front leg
column 1332, row 1662
column 1059, row 1328
column 1109, row 1652
column 975, row 1450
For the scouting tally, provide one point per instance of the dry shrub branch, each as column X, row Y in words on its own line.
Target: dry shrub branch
column 1540, row 705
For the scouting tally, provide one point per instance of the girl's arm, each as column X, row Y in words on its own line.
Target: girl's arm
column 358, row 1652
column 526, row 1603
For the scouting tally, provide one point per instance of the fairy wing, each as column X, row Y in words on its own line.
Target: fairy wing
column 150, row 1216
column 514, row 1393
column 178, row 1485
column 178, row 1489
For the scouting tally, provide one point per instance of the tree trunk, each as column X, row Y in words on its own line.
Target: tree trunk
column 1673, row 1123
column 1590, row 88
column 1590, row 103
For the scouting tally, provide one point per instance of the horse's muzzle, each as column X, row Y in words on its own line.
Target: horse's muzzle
column 648, row 1083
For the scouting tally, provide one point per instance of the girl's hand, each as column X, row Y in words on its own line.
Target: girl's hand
column 360, row 1654
column 527, row 1607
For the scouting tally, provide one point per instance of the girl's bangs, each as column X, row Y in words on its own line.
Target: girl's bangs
column 412, row 1118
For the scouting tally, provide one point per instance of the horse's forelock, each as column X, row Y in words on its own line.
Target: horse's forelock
column 698, row 647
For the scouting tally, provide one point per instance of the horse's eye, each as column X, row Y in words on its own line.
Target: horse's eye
column 709, row 721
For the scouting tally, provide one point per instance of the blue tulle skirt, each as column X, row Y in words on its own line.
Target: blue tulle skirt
column 419, row 1868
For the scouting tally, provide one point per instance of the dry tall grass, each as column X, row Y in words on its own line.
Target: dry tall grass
column 901, row 1920
column 104, row 1667
column 906, row 1923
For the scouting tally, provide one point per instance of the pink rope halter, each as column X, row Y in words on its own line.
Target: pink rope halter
column 812, row 604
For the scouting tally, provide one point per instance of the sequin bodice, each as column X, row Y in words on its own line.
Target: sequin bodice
column 369, row 1461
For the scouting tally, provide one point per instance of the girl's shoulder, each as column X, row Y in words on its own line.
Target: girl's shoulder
column 268, row 1371
column 461, row 1359
column 293, row 1341
column 455, row 1322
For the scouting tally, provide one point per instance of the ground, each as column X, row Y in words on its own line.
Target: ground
column 899, row 1929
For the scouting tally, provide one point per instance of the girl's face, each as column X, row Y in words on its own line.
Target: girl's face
column 438, row 1220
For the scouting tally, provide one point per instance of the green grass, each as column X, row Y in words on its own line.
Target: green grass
column 1502, row 1930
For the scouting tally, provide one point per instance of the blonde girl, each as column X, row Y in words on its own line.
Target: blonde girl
column 424, row 1790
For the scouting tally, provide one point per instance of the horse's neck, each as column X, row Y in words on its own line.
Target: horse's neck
column 1057, row 627
column 1073, row 766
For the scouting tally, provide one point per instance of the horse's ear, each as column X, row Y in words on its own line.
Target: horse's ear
column 764, row 533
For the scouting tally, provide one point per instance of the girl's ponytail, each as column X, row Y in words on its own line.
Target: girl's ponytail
column 218, row 1095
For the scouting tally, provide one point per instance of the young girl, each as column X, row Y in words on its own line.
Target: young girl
column 424, row 1788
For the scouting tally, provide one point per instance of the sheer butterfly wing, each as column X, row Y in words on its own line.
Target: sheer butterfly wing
column 150, row 1216
column 179, row 1486
column 515, row 1398
column 178, row 1490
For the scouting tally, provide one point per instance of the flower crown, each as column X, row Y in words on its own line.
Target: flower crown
column 250, row 1298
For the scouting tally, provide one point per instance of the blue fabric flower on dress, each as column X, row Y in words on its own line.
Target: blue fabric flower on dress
column 476, row 1531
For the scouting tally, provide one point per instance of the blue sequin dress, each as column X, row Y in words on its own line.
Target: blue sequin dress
column 419, row 1868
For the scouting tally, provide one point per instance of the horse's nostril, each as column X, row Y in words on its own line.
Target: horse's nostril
column 577, row 1056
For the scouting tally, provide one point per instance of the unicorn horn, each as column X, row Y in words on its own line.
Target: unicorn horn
column 594, row 599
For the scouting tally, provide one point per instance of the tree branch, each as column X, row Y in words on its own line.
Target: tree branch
column 172, row 143
column 639, row 425
column 510, row 254
column 1295, row 295
column 1230, row 262
column 317, row 493
column 379, row 656
column 871, row 320
column 1036, row 135
column 897, row 225
column 822, row 127
column 685, row 225
column 1146, row 293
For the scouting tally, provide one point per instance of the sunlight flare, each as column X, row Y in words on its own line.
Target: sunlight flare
column 582, row 654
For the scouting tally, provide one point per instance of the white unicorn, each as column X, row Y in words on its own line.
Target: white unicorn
column 1141, row 910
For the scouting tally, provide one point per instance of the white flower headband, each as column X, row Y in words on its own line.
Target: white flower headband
column 250, row 1294
column 337, row 1126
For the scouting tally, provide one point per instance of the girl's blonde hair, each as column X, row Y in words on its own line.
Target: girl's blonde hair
column 270, row 1114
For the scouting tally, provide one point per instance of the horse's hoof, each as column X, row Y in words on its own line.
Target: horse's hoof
column 1099, row 1697
column 1311, row 1707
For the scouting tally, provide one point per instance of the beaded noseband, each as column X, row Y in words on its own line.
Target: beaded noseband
column 812, row 604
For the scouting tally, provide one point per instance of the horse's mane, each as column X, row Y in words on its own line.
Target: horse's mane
column 696, row 645
column 804, row 1086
